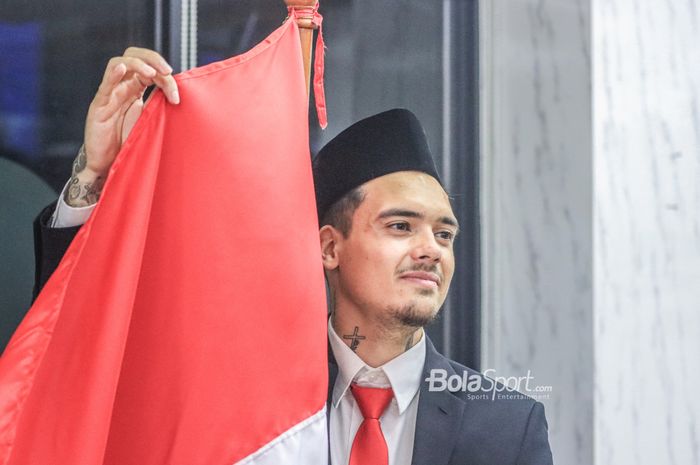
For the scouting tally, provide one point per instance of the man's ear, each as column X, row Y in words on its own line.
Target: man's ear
column 330, row 246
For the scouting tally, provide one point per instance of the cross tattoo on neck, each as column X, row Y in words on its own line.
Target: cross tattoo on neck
column 356, row 338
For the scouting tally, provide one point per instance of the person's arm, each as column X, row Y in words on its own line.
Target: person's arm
column 50, row 244
column 112, row 114
column 535, row 449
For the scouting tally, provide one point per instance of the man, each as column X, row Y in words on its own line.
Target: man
column 387, row 235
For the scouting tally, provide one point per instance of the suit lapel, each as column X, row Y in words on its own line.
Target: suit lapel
column 439, row 416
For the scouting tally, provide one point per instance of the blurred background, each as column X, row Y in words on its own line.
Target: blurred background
column 567, row 132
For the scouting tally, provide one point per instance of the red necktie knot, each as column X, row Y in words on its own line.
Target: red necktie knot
column 372, row 401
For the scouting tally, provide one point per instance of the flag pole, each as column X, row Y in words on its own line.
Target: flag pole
column 306, row 33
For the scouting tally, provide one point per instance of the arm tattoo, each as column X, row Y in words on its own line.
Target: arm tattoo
column 80, row 161
column 81, row 193
column 356, row 338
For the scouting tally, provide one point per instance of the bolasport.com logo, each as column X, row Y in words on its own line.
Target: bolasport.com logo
column 488, row 385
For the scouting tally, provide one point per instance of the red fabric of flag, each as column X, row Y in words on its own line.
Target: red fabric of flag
column 186, row 324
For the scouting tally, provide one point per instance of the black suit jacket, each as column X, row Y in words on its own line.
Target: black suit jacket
column 50, row 244
column 451, row 427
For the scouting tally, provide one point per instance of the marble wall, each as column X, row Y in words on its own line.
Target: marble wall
column 536, row 207
column 646, row 57
column 591, row 219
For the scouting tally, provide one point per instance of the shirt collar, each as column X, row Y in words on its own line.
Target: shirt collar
column 404, row 372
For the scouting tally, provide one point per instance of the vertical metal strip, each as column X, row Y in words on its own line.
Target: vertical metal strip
column 447, row 147
column 447, row 93
column 158, row 26
column 185, row 35
column 173, row 46
column 488, row 197
column 193, row 34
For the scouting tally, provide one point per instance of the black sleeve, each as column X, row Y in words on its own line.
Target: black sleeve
column 535, row 449
column 50, row 244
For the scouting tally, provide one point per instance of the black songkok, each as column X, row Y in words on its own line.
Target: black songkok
column 375, row 146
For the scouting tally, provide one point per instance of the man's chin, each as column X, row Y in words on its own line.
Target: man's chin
column 414, row 315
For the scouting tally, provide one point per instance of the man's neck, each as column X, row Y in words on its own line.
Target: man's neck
column 372, row 342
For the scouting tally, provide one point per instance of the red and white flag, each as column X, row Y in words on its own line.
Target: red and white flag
column 186, row 324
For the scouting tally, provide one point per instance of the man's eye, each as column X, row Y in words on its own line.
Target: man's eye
column 403, row 226
column 445, row 235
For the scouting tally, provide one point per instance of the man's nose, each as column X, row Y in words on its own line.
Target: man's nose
column 426, row 248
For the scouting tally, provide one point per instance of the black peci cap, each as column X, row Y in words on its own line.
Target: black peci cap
column 375, row 146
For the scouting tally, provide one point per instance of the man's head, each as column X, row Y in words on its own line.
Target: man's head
column 387, row 227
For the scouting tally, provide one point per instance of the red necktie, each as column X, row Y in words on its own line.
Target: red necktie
column 369, row 446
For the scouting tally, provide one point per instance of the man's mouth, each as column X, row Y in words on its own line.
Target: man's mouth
column 422, row 278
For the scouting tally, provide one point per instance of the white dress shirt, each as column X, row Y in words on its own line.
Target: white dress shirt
column 403, row 374
column 66, row 216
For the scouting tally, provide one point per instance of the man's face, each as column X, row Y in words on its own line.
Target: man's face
column 397, row 262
